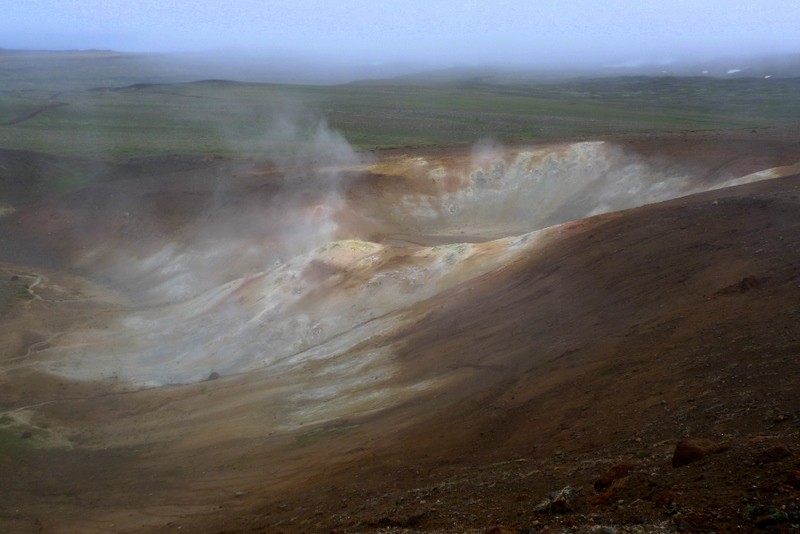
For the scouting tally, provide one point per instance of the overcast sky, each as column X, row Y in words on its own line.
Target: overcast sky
column 454, row 31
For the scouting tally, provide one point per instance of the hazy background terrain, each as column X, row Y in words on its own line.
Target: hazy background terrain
column 113, row 80
column 321, row 42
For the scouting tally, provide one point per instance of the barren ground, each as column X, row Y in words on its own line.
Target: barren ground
column 490, row 376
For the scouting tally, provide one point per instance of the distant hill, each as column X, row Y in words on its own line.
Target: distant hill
column 85, row 69
column 768, row 67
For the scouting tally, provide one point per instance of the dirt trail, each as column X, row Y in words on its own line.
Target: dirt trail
column 28, row 115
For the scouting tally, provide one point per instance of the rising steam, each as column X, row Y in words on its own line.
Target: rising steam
column 254, row 216
column 265, row 277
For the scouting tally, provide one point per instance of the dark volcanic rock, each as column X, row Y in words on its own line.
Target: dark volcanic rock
column 774, row 454
column 690, row 450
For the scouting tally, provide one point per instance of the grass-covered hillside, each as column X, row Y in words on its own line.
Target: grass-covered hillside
column 106, row 106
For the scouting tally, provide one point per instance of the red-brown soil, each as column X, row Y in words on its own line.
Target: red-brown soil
column 633, row 332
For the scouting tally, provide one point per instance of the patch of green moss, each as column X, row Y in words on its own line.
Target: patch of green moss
column 764, row 514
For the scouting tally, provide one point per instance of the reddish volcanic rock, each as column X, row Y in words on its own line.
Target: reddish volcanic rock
column 615, row 473
column 774, row 454
column 690, row 450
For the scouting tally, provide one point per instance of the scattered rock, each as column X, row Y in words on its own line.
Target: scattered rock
column 774, row 454
column 615, row 473
column 793, row 479
column 558, row 502
column 763, row 516
column 26, row 435
column 672, row 509
column 682, row 525
column 793, row 512
column 667, row 498
column 603, row 498
column 409, row 521
column 213, row 376
column 631, row 488
column 543, row 506
column 690, row 450
column 564, row 502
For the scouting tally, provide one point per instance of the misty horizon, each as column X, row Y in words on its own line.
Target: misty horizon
column 448, row 34
column 92, row 68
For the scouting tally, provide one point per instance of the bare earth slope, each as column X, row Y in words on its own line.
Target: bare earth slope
column 677, row 322
column 497, row 372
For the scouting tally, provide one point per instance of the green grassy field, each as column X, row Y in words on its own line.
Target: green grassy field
column 113, row 124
